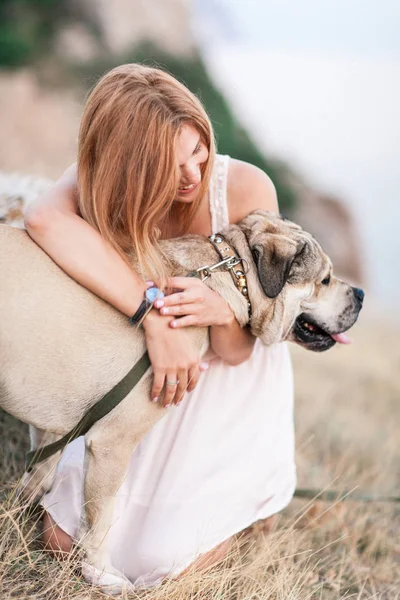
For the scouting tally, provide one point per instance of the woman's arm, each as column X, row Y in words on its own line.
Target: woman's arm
column 54, row 224
column 231, row 342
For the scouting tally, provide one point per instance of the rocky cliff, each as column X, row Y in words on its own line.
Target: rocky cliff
column 331, row 223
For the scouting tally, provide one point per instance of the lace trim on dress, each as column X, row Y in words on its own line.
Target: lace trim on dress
column 218, row 199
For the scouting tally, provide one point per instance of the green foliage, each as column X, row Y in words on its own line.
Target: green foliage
column 22, row 31
column 28, row 27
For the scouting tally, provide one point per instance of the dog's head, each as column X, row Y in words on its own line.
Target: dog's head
column 292, row 289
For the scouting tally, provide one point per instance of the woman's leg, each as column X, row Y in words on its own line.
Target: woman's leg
column 54, row 538
column 60, row 544
column 214, row 556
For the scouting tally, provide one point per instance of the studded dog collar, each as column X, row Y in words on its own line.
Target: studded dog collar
column 232, row 262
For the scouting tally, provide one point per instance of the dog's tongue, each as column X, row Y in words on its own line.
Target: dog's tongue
column 341, row 338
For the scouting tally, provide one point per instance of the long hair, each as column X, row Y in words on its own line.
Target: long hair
column 128, row 171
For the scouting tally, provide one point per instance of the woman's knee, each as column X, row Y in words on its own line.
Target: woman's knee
column 54, row 538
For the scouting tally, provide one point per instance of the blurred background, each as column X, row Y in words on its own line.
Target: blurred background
column 309, row 91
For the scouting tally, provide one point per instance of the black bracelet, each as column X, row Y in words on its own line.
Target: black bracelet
column 141, row 311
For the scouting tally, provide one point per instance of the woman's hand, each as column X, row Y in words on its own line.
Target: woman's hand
column 173, row 359
column 203, row 307
column 196, row 304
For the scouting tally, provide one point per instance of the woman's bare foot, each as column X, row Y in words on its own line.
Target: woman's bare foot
column 210, row 559
column 213, row 557
column 54, row 538
column 267, row 525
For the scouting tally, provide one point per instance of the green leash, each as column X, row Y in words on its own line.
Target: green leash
column 332, row 495
column 120, row 391
column 95, row 413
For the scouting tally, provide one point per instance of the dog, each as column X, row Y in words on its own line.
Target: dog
column 63, row 348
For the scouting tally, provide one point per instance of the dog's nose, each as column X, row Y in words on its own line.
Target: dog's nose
column 359, row 294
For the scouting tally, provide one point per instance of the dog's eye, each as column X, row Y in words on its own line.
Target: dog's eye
column 256, row 255
column 326, row 281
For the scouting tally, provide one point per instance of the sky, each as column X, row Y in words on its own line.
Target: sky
column 318, row 84
column 367, row 27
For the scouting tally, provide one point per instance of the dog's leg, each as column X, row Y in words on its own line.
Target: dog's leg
column 109, row 446
column 40, row 480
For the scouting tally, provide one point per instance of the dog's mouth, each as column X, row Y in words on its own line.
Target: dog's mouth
column 308, row 333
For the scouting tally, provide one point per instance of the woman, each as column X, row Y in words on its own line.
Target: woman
column 223, row 459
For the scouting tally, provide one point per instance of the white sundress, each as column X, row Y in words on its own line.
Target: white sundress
column 212, row 466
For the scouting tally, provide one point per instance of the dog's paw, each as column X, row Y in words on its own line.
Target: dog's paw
column 111, row 582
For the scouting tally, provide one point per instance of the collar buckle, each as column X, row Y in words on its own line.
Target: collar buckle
column 231, row 260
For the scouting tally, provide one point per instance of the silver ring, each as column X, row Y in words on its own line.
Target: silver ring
column 173, row 382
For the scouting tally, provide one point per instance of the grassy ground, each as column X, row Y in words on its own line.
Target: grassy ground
column 347, row 418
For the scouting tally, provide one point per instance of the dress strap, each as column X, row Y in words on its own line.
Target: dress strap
column 217, row 193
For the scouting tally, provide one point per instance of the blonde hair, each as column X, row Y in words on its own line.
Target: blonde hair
column 128, row 172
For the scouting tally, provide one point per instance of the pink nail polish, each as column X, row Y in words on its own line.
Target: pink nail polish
column 155, row 399
column 150, row 283
column 204, row 366
column 167, row 405
column 159, row 303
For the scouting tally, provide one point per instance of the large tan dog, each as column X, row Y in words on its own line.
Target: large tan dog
column 62, row 348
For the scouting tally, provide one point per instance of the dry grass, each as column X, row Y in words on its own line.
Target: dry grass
column 347, row 419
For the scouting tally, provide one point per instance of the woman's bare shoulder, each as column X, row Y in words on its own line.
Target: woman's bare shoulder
column 60, row 197
column 249, row 188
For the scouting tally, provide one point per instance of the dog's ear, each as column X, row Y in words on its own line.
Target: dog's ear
column 274, row 261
